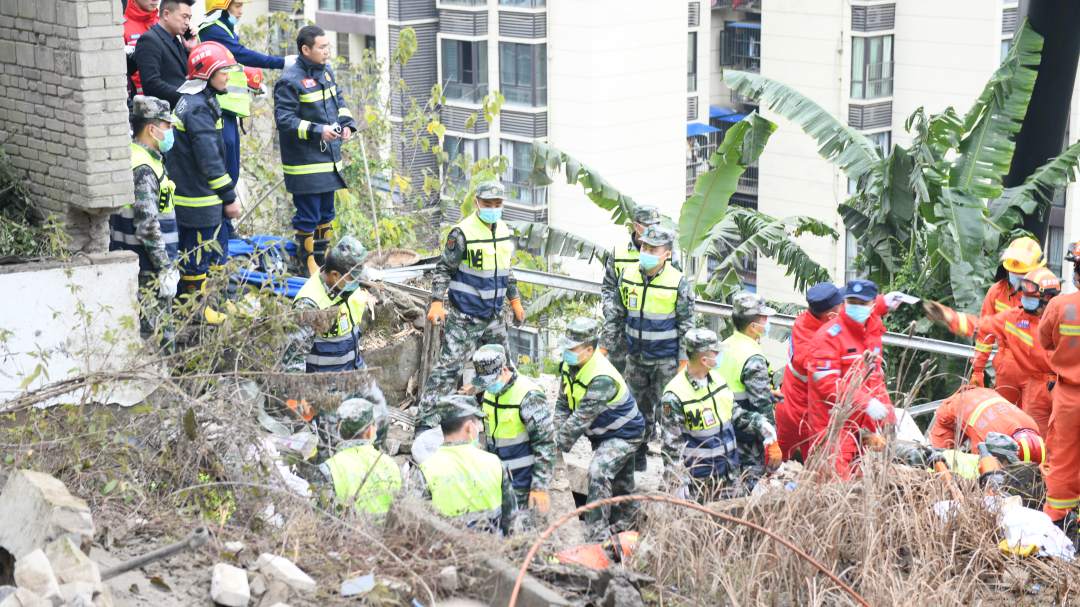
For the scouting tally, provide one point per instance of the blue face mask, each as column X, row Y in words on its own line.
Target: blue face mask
column 496, row 386
column 1014, row 280
column 648, row 261
column 490, row 215
column 858, row 313
column 571, row 358
column 1030, row 304
column 165, row 143
column 232, row 20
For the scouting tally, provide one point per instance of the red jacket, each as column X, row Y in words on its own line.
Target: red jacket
column 1000, row 297
column 835, row 360
column 1059, row 334
column 978, row 412
column 1016, row 333
column 136, row 23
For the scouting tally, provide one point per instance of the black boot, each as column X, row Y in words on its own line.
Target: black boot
column 640, row 458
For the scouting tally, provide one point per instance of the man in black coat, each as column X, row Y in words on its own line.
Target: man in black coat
column 159, row 54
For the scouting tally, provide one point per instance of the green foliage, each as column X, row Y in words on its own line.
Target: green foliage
column 548, row 160
column 26, row 232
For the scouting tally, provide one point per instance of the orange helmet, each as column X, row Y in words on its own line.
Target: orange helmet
column 254, row 79
column 208, row 58
column 1022, row 256
column 1032, row 447
column 1041, row 283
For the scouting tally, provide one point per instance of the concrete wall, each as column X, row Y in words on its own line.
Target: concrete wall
column 63, row 116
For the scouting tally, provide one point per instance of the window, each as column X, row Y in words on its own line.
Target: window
column 1006, row 45
column 740, row 45
column 1055, row 249
column 882, row 140
column 343, row 50
column 523, row 73
column 466, row 2
column 691, row 62
column 519, row 156
column 465, row 66
column 871, row 67
column 851, row 251
column 362, row 7
column 524, row 3
column 369, row 43
column 473, row 149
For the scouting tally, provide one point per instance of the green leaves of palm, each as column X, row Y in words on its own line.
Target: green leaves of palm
column 548, row 161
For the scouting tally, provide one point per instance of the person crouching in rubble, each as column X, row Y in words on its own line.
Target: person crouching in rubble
column 518, row 426
column 362, row 476
column 697, row 409
column 465, row 483
column 973, row 413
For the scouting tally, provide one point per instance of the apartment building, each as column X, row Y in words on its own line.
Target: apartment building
column 871, row 63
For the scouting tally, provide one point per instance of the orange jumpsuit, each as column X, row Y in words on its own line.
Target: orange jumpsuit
column 977, row 412
column 1008, row 381
column 1059, row 334
column 1015, row 333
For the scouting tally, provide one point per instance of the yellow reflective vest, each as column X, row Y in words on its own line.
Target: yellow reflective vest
column 366, row 477
column 651, row 327
column 478, row 288
column 710, row 449
column 465, row 484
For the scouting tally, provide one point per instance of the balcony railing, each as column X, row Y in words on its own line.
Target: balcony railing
column 741, row 46
column 524, row 3
column 361, row 7
column 738, row 100
column 465, row 2
column 876, row 80
column 748, row 181
column 520, row 190
column 472, row 93
column 534, row 96
column 698, row 150
column 738, row 5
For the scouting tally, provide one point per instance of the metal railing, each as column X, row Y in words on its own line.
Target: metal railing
column 875, row 80
column 473, row 93
column 741, row 49
column 534, row 96
column 362, row 7
column 738, row 5
column 739, row 100
column 748, row 181
column 465, row 2
column 524, row 3
column 700, row 148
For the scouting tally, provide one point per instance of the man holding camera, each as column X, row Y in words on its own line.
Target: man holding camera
column 312, row 122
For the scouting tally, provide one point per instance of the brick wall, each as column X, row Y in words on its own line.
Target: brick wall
column 63, row 112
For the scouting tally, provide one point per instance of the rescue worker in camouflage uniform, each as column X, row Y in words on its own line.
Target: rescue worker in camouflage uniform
column 362, row 476
column 699, row 450
column 465, row 483
column 147, row 226
column 474, row 277
column 518, row 426
column 651, row 316
column 625, row 253
column 595, row 401
column 745, row 369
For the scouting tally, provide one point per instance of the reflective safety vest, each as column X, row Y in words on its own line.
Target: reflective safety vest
column 622, row 418
column 465, row 484
column 737, row 350
column 338, row 349
column 365, row 477
column 238, row 99
column 710, row 449
column 651, row 330
column 198, row 124
column 962, row 464
column 122, row 233
column 478, row 288
column 507, row 433
column 625, row 254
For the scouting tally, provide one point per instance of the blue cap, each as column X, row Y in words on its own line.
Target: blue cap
column 823, row 296
column 865, row 290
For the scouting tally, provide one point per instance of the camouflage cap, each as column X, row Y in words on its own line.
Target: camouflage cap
column 701, row 340
column 356, row 414
column 488, row 361
column 658, row 236
column 580, row 330
column 491, row 190
column 457, row 406
column 1003, row 447
column 345, row 256
column 144, row 107
column 746, row 303
column 646, row 215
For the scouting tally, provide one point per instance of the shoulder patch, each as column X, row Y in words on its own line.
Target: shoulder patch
column 308, row 83
column 834, row 330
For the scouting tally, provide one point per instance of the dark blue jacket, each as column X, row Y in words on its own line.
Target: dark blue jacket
column 306, row 101
column 196, row 162
column 220, row 31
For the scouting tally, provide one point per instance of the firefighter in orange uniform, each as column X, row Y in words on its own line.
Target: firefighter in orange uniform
column 1059, row 334
column 1014, row 331
column 973, row 413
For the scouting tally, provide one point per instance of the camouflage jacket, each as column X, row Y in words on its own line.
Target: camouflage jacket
column 145, row 209
column 570, row 425
column 613, row 334
column 536, row 415
column 447, row 267
column 757, row 417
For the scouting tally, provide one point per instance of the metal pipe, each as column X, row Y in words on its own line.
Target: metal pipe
column 197, row 538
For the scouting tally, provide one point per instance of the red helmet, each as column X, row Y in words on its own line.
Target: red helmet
column 254, row 79
column 208, row 58
column 1032, row 447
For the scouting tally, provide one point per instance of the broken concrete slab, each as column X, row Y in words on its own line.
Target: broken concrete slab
column 229, row 586
column 276, row 593
column 24, row 598
column 234, row 548
column 281, row 569
column 257, row 585
column 34, row 573
column 448, row 578
column 70, row 563
column 38, row 509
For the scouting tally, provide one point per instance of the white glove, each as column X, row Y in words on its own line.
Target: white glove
column 876, row 409
column 682, row 492
column 289, row 60
column 167, row 283
column 768, row 433
column 894, row 299
column 129, row 49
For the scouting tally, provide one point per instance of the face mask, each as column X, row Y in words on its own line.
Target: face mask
column 714, row 364
column 1030, row 304
column 496, row 386
column 571, row 358
column 490, row 215
column 1014, row 280
column 858, row 313
column 648, row 261
column 166, row 142
column 765, row 325
column 232, row 20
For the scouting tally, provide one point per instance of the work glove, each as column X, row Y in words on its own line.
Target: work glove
column 540, row 501
column 167, row 283
column 768, row 433
column 519, row 311
column 978, row 378
column 289, row 60
column 773, row 456
column 436, row 313
column 877, row 410
column 893, row 300
column 603, row 351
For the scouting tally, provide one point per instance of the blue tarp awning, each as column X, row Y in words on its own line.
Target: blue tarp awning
column 732, row 117
column 716, row 111
column 697, row 128
column 747, row 25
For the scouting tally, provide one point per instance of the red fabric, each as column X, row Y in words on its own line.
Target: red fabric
column 1063, row 449
column 999, row 416
column 999, row 297
column 1017, row 363
column 792, row 430
column 1063, row 350
column 136, row 23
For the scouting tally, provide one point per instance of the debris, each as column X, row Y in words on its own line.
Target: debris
column 234, row 548
column 5, row 591
column 621, row 593
column 195, row 540
column 258, row 585
column 70, row 563
column 448, row 578
column 229, row 586
column 281, row 569
column 71, row 592
column 358, row 585
column 24, row 598
column 276, row 593
column 34, row 573
column 38, row 509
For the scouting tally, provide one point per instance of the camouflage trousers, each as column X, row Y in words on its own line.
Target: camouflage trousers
column 461, row 336
column 751, row 456
column 646, row 380
column 617, row 356
column 611, row 473
column 155, row 312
